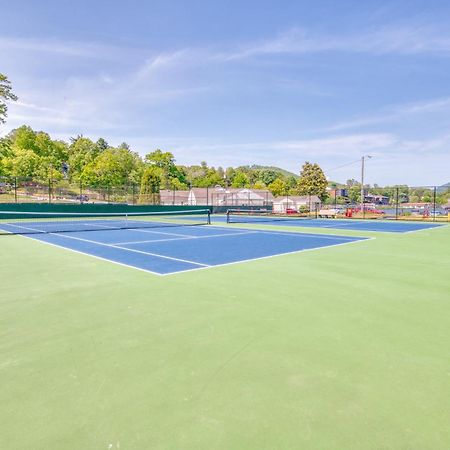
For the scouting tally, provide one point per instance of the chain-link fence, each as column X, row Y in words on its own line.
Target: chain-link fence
column 397, row 203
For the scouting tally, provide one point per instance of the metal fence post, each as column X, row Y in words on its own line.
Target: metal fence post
column 434, row 203
column 49, row 190
column 396, row 202
column 15, row 189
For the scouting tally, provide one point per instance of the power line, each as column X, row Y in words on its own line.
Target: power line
column 343, row 165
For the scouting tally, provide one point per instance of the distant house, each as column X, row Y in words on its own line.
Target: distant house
column 338, row 192
column 221, row 196
column 376, row 199
column 217, row 196
column 296, row 202
column 171, row 197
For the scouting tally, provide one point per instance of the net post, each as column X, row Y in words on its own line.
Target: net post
column 228, row 216
column 209, row 217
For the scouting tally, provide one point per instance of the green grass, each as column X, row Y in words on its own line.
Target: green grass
column 340, row 348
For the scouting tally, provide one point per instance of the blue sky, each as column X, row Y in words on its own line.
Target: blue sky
column 241, row 82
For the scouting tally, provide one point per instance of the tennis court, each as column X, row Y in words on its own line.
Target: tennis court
column 338, row 224
column 343, row 347
column 162, row 244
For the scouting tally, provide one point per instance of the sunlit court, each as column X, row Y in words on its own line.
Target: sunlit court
column 224, row 225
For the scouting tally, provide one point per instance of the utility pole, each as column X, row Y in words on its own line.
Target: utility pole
column 362, row 183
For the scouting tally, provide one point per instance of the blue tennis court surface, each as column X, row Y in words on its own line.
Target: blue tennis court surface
column 178, row 249
column 338, row 224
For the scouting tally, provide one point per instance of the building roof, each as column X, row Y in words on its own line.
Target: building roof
column 297, row 199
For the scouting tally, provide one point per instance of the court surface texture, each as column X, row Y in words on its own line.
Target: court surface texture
column 168, row 250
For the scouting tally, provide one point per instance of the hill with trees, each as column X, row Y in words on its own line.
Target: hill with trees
column 30, row 154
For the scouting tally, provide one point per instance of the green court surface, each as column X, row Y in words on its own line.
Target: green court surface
column 345, row 347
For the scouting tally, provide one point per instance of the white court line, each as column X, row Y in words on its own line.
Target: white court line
column 129, row 249
column 136, row 229
column 201, row 266
column 437, row 225
column 362, row 221
column 290, row 232
column 270, row 256
column 26, row 228
column 186, row 237
column 91, row 255
column 117, row 246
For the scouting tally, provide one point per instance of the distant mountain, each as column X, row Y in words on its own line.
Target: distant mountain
column 284, row 172
column 445, row 187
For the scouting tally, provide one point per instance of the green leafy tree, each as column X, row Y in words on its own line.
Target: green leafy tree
column 291, row 181
column 268, row 176
column 240, row 180
column 279, row 188
column 34, row 154
column 82, row 152
column 112, row 168
column 173, row 175
column 312, row 181
column 6, row 94
column 259, row 185
column 101, row 144
column 5, row 152
column 23, row 163
column 230, row 173
column 354, row 193
column 150, row 185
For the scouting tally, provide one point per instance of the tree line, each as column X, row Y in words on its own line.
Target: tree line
column 26, row 153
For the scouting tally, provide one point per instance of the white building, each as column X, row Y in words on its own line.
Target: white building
column 296, row 203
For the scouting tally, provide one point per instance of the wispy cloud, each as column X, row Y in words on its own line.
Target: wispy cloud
column 66, row 48
column 394, row 113
column 406, row 40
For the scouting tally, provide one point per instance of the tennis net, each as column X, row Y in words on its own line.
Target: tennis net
column 262, row 215
column 15, row 222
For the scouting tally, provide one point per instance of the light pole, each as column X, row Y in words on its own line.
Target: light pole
column 362, row 183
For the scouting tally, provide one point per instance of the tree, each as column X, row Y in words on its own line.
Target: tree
column 150, row 184
column 6, row 94
column 23, row 163
column 101, row 144
column 82, row 152
column 354, row 193
column 279, row 188
column 240, row 180
column 259, row 185
column 268, row 176
column 229, row 175
column 112, row 168
column 291, row 181
column 33, row 154
column 171, row 172
column 312, row 181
